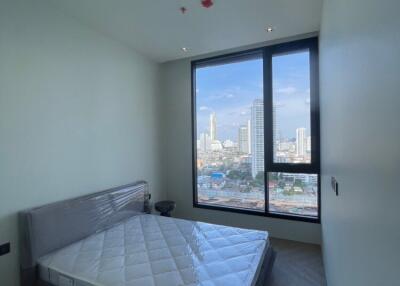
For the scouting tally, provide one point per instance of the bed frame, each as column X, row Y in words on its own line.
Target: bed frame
column 50, row 227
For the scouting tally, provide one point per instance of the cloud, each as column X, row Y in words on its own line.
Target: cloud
column 204, row 108
column 287, row 90
column 238, row 111
column 222, row 95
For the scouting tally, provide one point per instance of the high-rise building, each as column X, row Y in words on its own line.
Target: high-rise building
column 228, row 144
column 257, row 137
column 243, row 139
column 213, row 126
column 249, row 135
column 308, row 144
column 216, row 145
column 275, row 131
column 205, row 142
column 300, row 141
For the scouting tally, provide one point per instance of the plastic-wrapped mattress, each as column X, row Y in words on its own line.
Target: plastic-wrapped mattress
column 155, row 250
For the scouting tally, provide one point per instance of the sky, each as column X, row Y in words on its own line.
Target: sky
column 229, row 90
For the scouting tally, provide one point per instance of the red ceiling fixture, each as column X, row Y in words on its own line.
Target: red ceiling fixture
column 207, row 3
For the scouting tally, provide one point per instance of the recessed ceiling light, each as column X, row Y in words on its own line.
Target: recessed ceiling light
column 269, row 29
column 184, row 49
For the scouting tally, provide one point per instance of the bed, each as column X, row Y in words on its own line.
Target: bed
column 107, row 239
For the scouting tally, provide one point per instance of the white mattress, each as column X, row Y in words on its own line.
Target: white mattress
column 154, row 250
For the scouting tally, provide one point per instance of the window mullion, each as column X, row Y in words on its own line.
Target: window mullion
column 268, row 120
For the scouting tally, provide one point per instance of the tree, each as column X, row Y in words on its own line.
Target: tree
column 298, row 183
column 274, row 176
column 234, row 174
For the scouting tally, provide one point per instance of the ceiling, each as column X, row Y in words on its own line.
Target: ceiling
column 158, row 29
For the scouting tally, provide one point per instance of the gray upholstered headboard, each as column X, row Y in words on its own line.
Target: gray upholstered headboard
column 53, row 226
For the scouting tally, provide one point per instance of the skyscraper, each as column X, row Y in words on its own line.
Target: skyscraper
column 275, row 124
column 257, row 137
column 275, row 131
column 243, row 139
column 205, row 142
column 213, row 126
column 308, row 144
column 249, row 135
column 300, row 141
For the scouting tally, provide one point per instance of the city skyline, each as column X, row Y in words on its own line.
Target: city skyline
column 250, row 140
column 232, row 173
column 230, row 135
column 230, row 89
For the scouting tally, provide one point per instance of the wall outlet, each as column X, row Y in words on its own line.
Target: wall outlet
column 335, row 185
column 5, row 248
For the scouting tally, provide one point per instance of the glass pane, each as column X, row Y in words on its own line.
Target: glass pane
column 291, row 108
column 230, row 135
column 293, row 194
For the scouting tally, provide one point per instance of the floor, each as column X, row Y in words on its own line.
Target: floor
column 297, row 264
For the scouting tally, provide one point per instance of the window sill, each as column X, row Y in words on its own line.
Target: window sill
column 259, row 213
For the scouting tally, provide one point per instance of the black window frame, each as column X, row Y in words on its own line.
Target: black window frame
column 267, row 53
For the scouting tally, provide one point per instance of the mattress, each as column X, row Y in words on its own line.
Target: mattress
column 154, row 250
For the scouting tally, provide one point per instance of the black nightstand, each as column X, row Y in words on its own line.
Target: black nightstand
column 165, row 207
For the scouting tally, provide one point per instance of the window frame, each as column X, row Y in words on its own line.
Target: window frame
column 267, row 53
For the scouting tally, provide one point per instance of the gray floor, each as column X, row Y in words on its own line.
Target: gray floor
column 297, row 264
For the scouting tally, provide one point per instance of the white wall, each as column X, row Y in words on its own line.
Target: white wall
column 360, row 129
column 177, row 144
column 78, row 113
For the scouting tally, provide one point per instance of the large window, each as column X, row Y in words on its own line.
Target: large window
column 256, row 131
